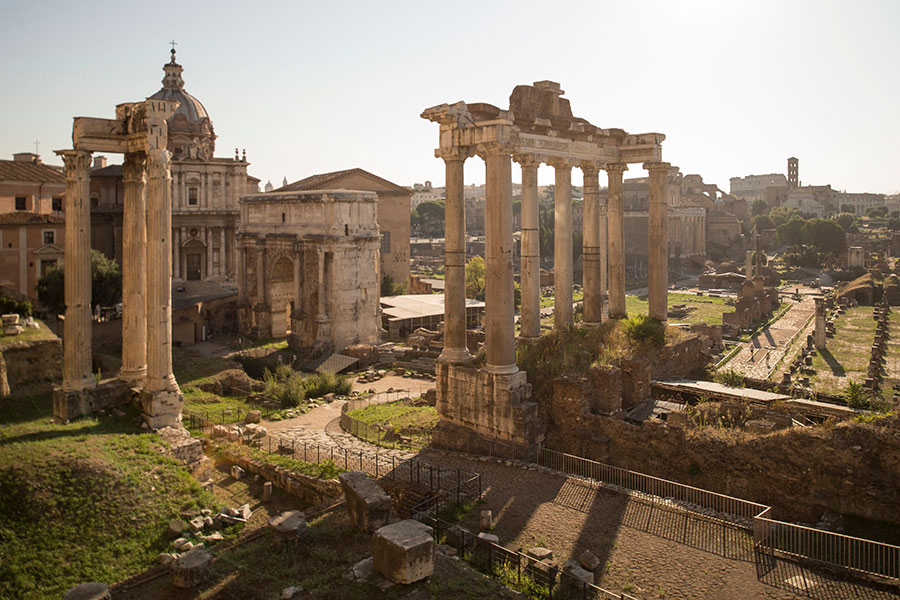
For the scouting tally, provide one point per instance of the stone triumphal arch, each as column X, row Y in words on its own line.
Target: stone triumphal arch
column 494, row 400
column 139, row 131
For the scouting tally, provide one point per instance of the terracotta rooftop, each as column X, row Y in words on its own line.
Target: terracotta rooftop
column 29, row 218
column 324, row 181
column 12, row 170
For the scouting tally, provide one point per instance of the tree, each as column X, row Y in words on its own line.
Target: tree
column 475, row 279
column 825, row 236
column 791, row 232
column 391, row 288
column 848, row 208
column 846, row 221
column 106, row 284
column 877, row 211
column 894, row 224
column 895, row 214
column 758, row 207
column 761, row 222
column 432, row 214
column 782, row 215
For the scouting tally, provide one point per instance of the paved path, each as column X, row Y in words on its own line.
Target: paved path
column 761, row 354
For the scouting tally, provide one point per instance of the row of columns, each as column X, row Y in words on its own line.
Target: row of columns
column 604, row 228
column 146, row 272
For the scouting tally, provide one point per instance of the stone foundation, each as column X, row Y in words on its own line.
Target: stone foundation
column 28, row 363
column 487, row 404
column 161, row 408
column 107, row 394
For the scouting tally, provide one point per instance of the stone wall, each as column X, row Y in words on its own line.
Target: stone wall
column 310, row 489
column 30, row 363
column 849, row 468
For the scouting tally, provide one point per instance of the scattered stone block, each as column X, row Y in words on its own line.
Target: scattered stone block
column 220, row 431
column 208, row 485
column 362, row 570
column 404, row 552
column 253, row 416
column 11, row 319
column 197, row 523
column 540, row 553
column 289, row 525
column 761, row 426
column 573, row 581
column 192, row 568
column 486, row 522
column 589, row 561
column 267, row 491
column 176, row 528
column 164, row 558
column 87, row 591
column 212, row 538
column 289, row 592
column 368, row 506
column 180, row 544
column 236, row 472
column 488, row 537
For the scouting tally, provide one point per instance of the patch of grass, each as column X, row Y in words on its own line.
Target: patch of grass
column 88, row 501
column 729, row 377
column 29, row 335
column 399, row 415
column 324, row 470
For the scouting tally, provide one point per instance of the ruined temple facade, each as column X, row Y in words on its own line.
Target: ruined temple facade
column 494, row 400
column 308, row 265
column 204, row 191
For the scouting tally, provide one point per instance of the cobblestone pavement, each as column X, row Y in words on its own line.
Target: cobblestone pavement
column 759, row 357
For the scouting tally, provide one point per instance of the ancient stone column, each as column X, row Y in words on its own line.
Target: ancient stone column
column 562, row 245
column 262, row 286
column 77, row 374
column 658, row 240
column 242, row 274
column 210, row 234
column 748, row 264
column 616, row 233
column 819, row 333
column 455, row 348
column 221, row 269
column 161, row 398
column 499, row 325
column 134, row 271
column 604, row 256
column 323, row 329
column 530, row 251
column 592, row 249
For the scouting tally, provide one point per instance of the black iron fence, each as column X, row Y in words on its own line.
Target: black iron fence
column 406, row 437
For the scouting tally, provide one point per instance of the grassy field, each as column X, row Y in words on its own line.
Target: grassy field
column 847, row 354
column 193, row 369
column 706, row 309
column 88, row 501
column 399, row 415
column 29, row 335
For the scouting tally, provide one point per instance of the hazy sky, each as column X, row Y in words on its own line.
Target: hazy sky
column 309, row 87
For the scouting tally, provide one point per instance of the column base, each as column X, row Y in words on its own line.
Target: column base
column 455, row 356
column 68, row 405
column 79, row 385
column 135, row 377
column 501, row 369
column 591, row 324
column 323, row 328
column 263, row 314
column 161, row 408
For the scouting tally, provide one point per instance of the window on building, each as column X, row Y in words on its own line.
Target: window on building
column 57, row 203
column 192, row 196
column 385, row 242
column 49, row 237
column 20, row 202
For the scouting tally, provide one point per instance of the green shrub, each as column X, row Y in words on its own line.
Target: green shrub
column 8, row 306
column 856, row 395
column 642, row 329
column 291, row 388
column 729, row 377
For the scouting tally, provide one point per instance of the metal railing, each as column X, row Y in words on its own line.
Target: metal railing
column 449, row 483
column 379, row 434
column 536, row 578
column 820, row 547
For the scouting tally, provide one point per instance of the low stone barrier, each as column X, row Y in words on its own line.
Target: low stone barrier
column 307, row 487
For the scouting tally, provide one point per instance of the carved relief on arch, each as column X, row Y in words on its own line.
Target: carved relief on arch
column 282, row 268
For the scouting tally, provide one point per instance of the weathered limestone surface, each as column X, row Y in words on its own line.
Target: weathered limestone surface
column 487, row 404
column 368, row 506
column 191, row 568
column 89, row 591
column 29, row 363
column 658, row 248
column 134, row 284
column 530, row 251
column 455, row 349
column 616, row 233
column 404, row 552
column 562, row 245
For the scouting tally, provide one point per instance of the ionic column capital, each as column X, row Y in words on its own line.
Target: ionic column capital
column 561, row 163
column 77, row 162
column 657, row 166
column 527, row 161
column 486, row 149
column 456, row 153
column 616, row 167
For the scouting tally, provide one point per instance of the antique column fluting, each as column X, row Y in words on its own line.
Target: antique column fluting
column 455, row 348
column 499, row 318
column 78, row 326
column 530, row 251
column 604, row 256
column 134, row 270
column 210, row 234
column 658, row 240
column 616, row 233
column 592, row 248
column 562, row 245
column 221, row 270
column 242, row 274
column 262, row 287
column 161, row 398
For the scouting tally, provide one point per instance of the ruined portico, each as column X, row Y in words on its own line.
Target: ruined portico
column 538, row 128
column 139, row 131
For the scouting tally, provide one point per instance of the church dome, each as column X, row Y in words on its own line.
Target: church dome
column 191, row 134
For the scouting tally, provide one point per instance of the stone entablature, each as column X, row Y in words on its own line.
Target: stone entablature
column 309, row 263
column 538, row 127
